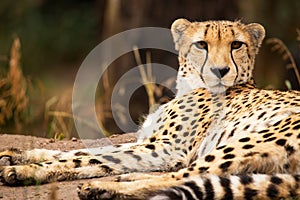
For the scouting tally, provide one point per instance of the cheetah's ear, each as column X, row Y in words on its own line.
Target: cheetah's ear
column 177, row 29
column 257, row 33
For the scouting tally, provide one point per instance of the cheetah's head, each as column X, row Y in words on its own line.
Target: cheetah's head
column 216, row 54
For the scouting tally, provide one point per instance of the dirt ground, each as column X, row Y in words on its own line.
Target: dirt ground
column 58, row 190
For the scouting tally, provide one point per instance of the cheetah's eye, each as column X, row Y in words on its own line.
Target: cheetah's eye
column 236, row 44
column 201, row 45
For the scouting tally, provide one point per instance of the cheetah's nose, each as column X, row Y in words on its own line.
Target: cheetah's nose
column 220, row 72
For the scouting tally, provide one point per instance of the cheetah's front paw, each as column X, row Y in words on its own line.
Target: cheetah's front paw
column 10, row 157
column 8, row 176
column 25, row 175
column 88, row 192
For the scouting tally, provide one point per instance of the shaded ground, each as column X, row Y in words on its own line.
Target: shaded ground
column 58, row 190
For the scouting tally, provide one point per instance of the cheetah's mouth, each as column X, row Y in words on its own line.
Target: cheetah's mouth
column 217, row 85
column 220, row 87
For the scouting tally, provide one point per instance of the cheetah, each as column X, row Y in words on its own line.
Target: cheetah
column 219, row 138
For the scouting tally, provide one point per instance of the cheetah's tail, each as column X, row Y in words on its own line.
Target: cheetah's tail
column 235, row 187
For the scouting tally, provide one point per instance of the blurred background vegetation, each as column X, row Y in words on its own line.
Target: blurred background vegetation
column 43, row 42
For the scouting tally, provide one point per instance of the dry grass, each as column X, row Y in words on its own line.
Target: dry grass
column 155, row 93
column 14, row 101
column 279, row 46
column 147, row 78
column 59, row 117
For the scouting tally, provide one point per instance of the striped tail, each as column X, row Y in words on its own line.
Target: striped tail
column 234, row 187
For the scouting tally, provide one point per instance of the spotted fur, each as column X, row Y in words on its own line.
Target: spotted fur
column 220, row 138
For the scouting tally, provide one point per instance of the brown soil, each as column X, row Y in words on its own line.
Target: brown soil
column 58, row 190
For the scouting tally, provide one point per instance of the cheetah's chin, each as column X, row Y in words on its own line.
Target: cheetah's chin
column 218, row 89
